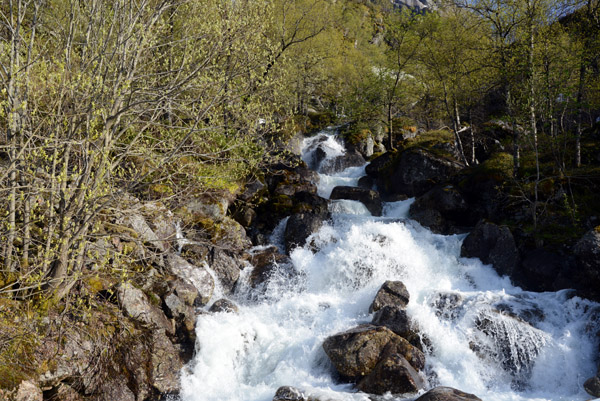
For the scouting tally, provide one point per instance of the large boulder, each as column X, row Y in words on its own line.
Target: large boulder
column 356, row 352
column 299, row 227
column 392, row 293
column 29, row 391
column 447, row 394
column 412, row 172
column 227, row 267
column 392, row 374
column 494, row 245
column 587, row 251
column 443, row 210
column 367, row 197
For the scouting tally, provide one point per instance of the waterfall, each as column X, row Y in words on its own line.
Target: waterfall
column 481, row 334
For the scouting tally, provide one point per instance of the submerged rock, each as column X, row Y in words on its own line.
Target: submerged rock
column 288, row 393
column 367, row 197
column 493, row 245
column 447, row 394
column 393, row 293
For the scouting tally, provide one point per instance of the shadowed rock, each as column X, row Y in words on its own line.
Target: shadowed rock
column 447, row 394
column 393, row 293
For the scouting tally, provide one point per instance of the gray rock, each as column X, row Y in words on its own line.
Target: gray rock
column 392, row 374
column 447, row 394
column 367, row 197
column 137, row 306
column 166, row 364
column 185, row 291
column 223, row 305
column 115, row 389
column 29, row 391
column 198, row 276
column 493, row 245
column 138, row 223
column 213, row 206
column 447, row 305
column 393, row 293
column 227, row 267
column 288, row 393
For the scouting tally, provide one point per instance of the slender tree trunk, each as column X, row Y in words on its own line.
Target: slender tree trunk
column 580, row 88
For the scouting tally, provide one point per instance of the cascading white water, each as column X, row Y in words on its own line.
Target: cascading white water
column 483, row 335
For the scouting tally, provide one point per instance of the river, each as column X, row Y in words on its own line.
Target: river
column 482, row 335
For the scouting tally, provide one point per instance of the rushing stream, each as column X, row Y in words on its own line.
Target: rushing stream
column 483, row 335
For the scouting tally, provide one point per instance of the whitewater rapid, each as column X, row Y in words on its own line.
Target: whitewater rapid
column 481, row 334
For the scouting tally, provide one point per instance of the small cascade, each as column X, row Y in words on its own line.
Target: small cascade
column 481, row 334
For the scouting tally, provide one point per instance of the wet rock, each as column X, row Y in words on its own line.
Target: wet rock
column 265, row 262
column 394, row 319
column 223, row 305
column 592, row 386
column 342, row 162
column 288, row 393
column 29, row 391
column 393, row 293
column 493, row 245
column 226, row 266
column 137, row 306
column 443, row 210
column 392, row 374
column 299, row 227
column 447, row 394
column 166, row 364
column 587, row 251
column 199, row 277
column 367, row 197
column 355, row 352
column 509, row 341
column 412, row 172
column 184, row 318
